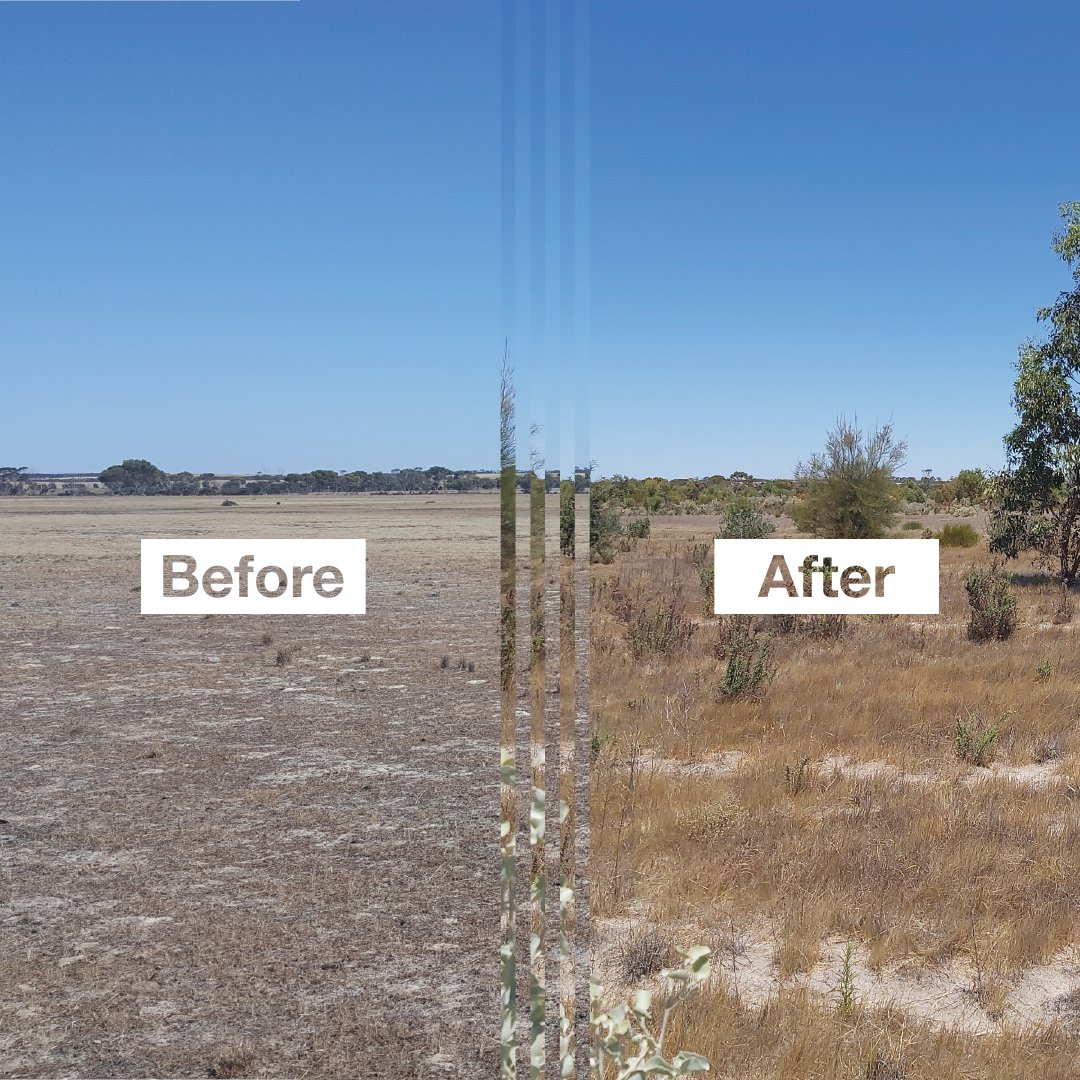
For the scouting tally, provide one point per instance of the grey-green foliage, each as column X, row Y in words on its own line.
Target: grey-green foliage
column 974, row 746
column 993, row 604
column 750, row 668
column 744, row 521
column 850, row 491
column 1036, row 498
column 659, row 629
column 605, row 529
column 624, row 1044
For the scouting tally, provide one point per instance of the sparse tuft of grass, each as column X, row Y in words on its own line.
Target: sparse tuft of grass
column 285, row 655
column 232, row 1062
column 796, row 776
column 662, row 629
column 645, row 952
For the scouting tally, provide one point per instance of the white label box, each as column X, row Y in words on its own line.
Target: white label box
column 253, row 577
column 826, row 577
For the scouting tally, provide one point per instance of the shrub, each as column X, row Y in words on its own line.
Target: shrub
column 750, row 669
column 660, row 630
column 850, row 491
column 973, row 746
column 743, row 521
column 993, row 604
column 638, row 528
column 910, row 526
column 626, row 1048
column 958, row 536
column 825, row 627
column 605, row 529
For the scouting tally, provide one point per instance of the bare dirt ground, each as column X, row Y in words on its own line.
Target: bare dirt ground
column 245, row 846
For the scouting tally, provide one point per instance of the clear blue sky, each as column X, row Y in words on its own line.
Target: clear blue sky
column 245, row 236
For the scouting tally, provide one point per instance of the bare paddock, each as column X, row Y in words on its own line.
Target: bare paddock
column 245, row 846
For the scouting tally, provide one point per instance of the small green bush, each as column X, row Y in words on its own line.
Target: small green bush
column 750, row 669
column 958, row 536
column 743, row 521
column 973, row 746
column 993, row 604
column 910, row 526
column 638, row 528
column 605, row 530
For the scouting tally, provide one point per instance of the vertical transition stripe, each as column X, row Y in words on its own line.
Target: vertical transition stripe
column 538, row 811
column 508, row 712
column 544, row 248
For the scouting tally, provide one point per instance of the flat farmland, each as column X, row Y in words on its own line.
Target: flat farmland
column 246, row 845
column 879, row 842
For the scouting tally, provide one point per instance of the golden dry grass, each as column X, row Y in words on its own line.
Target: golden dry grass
column 835, row 808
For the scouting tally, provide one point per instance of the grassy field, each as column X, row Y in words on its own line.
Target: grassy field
column 244, row 846
column 882, row 903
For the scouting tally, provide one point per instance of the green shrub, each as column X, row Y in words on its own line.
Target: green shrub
column 958, row 536
column 910, row 526
column 750, row 669
column 638, row 528
column 605, row 529
column 743, row 521
column 972, row 745
column 993, row 604
column 850, row 491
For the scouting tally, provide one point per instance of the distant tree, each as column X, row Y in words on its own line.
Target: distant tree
column 12, row 479
column 850, row 491
column 1036, row 498
column 970, row 485
column 134, row 476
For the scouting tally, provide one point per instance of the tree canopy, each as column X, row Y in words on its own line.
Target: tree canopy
column 1037, row 495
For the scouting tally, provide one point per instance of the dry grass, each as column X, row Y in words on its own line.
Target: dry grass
column 213, row 865
column 842, row 805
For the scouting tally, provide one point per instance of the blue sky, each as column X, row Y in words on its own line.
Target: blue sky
column 267, row 236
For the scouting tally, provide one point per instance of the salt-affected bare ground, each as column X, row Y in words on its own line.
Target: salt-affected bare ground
column 213, row 863
column 948, row 995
